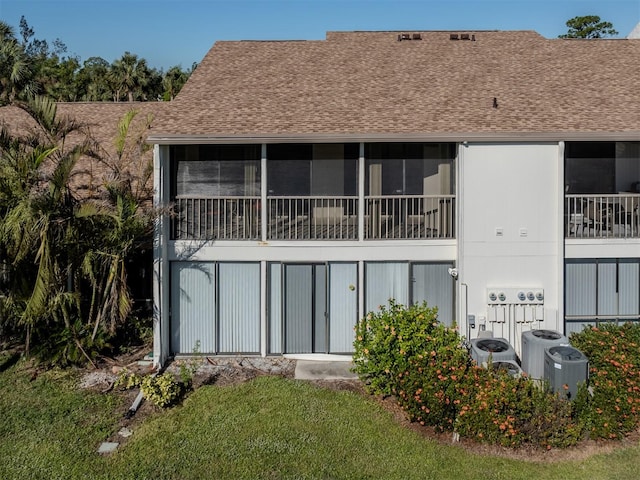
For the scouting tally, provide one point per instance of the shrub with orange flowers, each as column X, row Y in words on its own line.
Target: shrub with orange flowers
column 613, row 409
column 406, row 352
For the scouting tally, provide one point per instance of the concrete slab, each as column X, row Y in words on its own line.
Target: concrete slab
column 107, row 447
column 324, row 370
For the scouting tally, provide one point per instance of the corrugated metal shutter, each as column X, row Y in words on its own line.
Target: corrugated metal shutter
column 192, row 307
column 629, row 286
column 343, row 306
column 298, row 308
column 433, row 284
column 320, row 309
column 239, row 307
column 572, row 327
column 275, row 308
column 607, row 287
column 386, row 281
column 580, row 287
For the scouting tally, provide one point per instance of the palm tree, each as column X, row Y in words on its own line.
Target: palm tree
column 173, row 81
column 68, row 255
column 126, row 226
column 39, row 227
column 15, row 69
column 129, row 75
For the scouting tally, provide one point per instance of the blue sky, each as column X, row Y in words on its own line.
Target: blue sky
column 180, row 32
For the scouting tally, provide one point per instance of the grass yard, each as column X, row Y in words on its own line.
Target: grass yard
column 267, row 428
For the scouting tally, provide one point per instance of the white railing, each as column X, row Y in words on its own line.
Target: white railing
column 223, row 218
column 602, row 216
column 313, row 218
column 410, row 216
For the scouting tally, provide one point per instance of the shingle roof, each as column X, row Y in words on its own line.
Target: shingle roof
column 370, row 83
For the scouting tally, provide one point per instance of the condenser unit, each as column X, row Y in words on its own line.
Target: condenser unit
column 565, row 368
column 498, row 349
column 510, row 367
column 534, row 343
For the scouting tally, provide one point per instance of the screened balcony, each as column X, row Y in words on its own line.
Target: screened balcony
column 602, row 191
column 312, row 192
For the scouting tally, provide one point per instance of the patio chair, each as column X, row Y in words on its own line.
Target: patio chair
column 599, row 216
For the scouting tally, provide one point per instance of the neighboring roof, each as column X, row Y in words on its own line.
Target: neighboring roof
column 371, row 84
column 101, row 119
column 635, row 33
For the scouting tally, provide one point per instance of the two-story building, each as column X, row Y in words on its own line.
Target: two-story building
column 495, row 175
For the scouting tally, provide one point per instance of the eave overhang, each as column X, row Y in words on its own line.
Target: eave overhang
column 461, row 137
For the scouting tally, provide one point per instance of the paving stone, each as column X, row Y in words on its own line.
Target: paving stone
column 107, row 447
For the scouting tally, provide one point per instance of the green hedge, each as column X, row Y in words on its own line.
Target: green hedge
column 406, row 352
column 613, row 351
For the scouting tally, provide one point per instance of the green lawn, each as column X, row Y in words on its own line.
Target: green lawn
column 268, row 428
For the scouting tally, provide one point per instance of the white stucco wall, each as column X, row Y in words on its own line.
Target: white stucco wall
column 510, row 232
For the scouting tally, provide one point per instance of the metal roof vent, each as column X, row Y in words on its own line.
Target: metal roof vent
column 462, row 36
column 409, row 36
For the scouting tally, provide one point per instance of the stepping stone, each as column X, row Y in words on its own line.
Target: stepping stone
column 107, row 447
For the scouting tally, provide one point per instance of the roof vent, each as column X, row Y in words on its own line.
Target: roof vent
column 462, row 36
column 409, row 36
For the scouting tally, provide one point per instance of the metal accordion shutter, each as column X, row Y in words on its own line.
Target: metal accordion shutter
column 192, row 307
column 239, row 307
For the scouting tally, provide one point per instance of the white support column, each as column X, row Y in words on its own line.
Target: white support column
column 461, row 288
column 561, row 240
column 264, row 210
column 161, row 308
column 361, row 185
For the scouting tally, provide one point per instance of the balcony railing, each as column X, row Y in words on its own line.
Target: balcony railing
column 602, row 216
column 222, row 218
column 409, row 217
column 314, row 218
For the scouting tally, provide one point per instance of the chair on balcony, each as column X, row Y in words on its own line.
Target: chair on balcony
column 599, row 216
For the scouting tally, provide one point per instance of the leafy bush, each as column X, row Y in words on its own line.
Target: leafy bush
column 614, row 377
column 162, row 390
column 511, row 411
column 406, row 352
column 388, row 339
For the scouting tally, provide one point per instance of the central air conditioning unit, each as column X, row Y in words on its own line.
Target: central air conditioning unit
column 565, row 368
column 534, row 343
column 498, row 349
column 510, row 367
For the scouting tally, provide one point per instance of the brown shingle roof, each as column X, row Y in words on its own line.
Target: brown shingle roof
column 369, row 83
